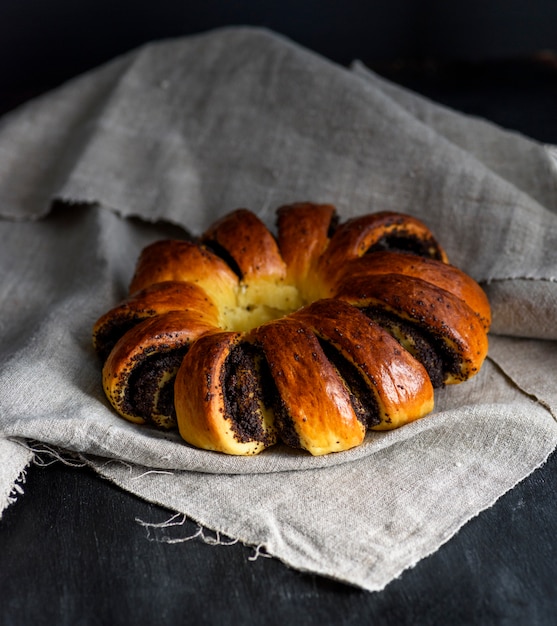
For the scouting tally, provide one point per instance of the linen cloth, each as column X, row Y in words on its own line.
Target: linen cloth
column 165, row 139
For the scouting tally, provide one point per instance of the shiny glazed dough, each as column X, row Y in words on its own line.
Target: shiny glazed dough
column 311, row 338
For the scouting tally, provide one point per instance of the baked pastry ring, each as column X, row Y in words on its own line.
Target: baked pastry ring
column 312, row 338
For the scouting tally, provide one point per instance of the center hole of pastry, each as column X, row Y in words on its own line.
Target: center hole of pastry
column 260, row 302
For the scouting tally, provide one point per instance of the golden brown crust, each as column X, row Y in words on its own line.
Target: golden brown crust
column 202, row 411
column 154, row 300
column 312, row 338
column 440, row 313
column 400, row 384
column 249, row 243
column 155, row 336
column 303, row 236
column 315, row 402
column 441, row 274
column 357, row 236
column 184, row 261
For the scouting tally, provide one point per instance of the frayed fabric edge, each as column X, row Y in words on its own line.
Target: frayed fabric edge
column 155, row 532
column 16, row 458
column 43, row 455
column 17, row 489
column 33, row 453
column 209, row 535
column 158, row 531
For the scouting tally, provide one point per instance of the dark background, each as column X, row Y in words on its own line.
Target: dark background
column 43, row 43
column 71, row 550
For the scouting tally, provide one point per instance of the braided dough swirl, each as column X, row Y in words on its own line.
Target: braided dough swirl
column 241, row 339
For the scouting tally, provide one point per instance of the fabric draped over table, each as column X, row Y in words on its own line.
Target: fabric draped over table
column 165, row 139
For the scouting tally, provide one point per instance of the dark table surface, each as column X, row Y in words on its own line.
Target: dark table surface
column 73, row 549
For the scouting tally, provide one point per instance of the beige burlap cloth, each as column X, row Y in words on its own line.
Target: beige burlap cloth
column 173, row 135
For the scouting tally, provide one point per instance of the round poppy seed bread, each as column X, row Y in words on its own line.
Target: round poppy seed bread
column 241, row 339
